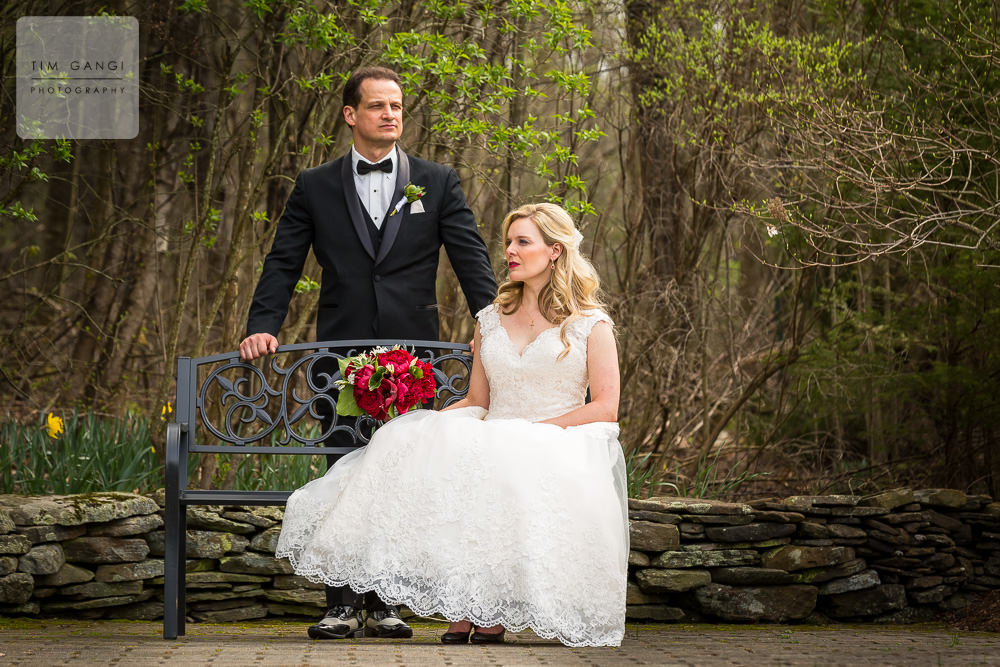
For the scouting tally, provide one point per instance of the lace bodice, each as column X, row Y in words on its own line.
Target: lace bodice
column 535, row 384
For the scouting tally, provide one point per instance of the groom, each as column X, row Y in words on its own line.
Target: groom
column 379, row 254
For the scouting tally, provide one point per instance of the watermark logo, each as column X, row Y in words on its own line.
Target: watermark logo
column 77, row 77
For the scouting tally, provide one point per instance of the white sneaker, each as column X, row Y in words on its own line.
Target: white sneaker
column 388, row 624
column 339, row 623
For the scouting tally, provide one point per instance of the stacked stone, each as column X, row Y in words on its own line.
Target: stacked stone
column 101, row 555
column 925, row 550
column 692, row 558
column 936, row 545
column 896, row 557
column 836, row 527
column 77, row 555
column 232, row 574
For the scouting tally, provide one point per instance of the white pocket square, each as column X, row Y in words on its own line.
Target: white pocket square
column 417, row 207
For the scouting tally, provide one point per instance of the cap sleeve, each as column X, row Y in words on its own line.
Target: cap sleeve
column 489, row 319
column 587, row 322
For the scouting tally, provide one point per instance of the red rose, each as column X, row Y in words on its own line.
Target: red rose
column 404, row 395
column 388, row 391
column 362, row 376
column 398, row 359
column 370, row 402
column 427, row 383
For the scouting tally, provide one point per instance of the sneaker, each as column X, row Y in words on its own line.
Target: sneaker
column 339, row 623
column 388, row 624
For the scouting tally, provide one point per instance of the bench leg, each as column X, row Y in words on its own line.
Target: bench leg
column 175, row 542
column 173, row 570
column 181, row 553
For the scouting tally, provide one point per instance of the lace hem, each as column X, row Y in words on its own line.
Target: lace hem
column 426, row 599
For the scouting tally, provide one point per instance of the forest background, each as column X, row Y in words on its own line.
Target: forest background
column 794, row 205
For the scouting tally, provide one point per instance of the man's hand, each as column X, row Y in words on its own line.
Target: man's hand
column 257, row 345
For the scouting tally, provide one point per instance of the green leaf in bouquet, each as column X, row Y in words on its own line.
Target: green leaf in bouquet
column 344, row 363
column 346, row 405
column 376, row 379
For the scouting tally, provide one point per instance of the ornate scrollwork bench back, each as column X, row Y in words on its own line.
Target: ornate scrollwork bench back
column 226, row 406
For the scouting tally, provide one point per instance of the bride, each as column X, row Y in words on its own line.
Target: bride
column 506, row 510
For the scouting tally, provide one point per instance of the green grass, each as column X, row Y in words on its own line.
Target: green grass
column 710, row 481
column 93, row 453
column 640, row 476
column 100, row 453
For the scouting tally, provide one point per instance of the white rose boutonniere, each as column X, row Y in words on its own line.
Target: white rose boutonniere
column 411, row 195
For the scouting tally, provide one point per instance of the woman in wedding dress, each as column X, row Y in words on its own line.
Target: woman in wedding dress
column 506, row 510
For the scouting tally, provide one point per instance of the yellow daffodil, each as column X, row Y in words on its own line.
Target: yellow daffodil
column 166, row 411
column 54, row 426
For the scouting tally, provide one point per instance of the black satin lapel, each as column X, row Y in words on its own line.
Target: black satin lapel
column 393, row 223
column 402, row 176
column 354, row 205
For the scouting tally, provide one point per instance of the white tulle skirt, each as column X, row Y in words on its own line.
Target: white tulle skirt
column 495, row 521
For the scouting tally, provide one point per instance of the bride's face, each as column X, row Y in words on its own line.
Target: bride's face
column 528, row 256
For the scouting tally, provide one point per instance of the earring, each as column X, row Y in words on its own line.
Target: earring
column 553, row 266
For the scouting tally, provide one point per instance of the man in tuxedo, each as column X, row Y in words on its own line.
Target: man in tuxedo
column 379, row 255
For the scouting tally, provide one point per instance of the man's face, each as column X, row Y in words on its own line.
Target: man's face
column 378, row 119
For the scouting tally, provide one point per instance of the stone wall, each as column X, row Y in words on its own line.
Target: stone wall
column 896, row 557
column 899, row 556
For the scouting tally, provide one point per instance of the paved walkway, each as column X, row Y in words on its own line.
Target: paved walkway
column 64, row 642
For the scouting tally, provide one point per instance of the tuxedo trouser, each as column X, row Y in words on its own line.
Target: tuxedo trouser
column 337, row 596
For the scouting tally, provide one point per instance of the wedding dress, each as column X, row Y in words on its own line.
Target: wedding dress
column 481, row 515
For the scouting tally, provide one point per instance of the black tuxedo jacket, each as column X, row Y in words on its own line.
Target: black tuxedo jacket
column 390, row 294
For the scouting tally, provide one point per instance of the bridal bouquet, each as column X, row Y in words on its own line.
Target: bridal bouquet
column 383, row 383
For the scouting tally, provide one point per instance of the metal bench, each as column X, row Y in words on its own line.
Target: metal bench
column 226, row 406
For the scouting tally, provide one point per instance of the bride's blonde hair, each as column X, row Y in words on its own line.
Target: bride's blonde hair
column 573, row 286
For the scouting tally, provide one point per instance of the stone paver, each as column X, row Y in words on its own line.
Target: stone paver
column 65, row 642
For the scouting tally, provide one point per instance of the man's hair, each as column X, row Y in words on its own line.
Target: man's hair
column 352, row 89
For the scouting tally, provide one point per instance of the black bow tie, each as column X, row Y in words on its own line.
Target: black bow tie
column 365, row 167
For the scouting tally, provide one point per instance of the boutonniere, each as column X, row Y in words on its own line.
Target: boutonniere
column 411, row 195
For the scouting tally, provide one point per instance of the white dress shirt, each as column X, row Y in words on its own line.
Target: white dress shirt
column 375, row 188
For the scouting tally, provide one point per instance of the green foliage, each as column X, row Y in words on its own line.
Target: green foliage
column 94, row 453
column 727, row 62
column 306, row 284
column 26, row 165
column 267, row 472
column 906, row 154
column 708, row 481
column 479, row 100
column 712, row 479
column 904, row 383
column 17, row 211
column 194, row 6
column 99, row 453
column 262, row 472
column 640, row 476
column 308, row 26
